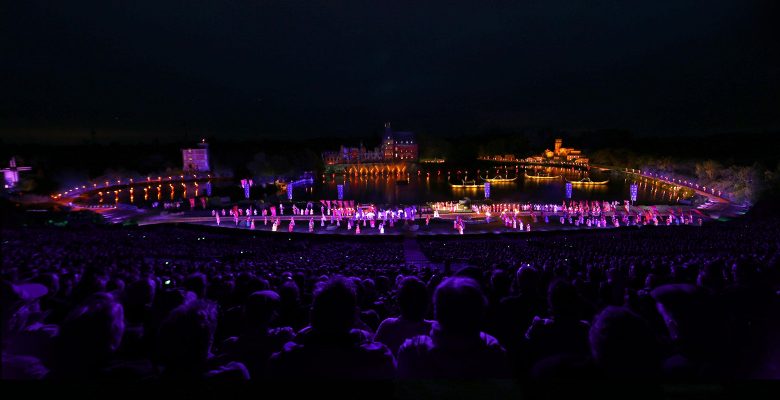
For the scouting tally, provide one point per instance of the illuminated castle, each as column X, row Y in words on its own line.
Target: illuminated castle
column 196, row 159
column 394, row 146
column 560, row 154
column 564, row 154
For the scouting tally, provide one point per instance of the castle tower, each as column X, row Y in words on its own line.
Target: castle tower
column 196, row 159
column 388, row 143
column 558, row 143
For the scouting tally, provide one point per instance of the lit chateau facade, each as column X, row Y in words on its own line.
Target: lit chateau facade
column 394, row 147
column 560, row 154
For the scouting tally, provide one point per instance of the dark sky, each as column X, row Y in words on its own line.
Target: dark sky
column 244, row 68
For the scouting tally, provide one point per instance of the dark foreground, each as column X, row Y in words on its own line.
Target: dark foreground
column 161, row 304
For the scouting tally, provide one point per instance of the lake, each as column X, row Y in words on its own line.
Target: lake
column 431, row 185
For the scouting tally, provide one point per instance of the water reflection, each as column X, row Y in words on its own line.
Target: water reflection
column 431, row 185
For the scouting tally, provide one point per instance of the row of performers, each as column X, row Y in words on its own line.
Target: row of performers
column 352, row 222
column 368, row 213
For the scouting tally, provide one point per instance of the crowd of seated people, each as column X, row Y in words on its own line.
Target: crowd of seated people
column 160, row 303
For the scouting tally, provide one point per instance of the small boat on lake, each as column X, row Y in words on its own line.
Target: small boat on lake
column 499, row 179
column 587, row 182
column 541, row 176
column 467, row 184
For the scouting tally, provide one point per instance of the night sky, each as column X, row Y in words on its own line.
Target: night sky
column 238, row 69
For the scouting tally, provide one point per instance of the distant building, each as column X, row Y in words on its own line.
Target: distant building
column 399, row 146
column 501, row 158
column 394, row 146
column 11, row 174
column 563, row 154
column 196, row 159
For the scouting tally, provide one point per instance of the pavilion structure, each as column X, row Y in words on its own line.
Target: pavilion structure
column 11, row 174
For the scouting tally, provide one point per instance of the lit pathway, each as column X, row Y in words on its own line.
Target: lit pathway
column 413, row 255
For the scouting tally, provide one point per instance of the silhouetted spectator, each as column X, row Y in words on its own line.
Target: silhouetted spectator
column 516, row 312
column 18, row 306
column 184, row 345
column 88, row 339
column 623, row 346
column 291, row 312
column 197, row 284
column 330, row 348
column 413, row 304
column 563, row 332
column 695, row 328
column 456, row 348
column 138, row 299
column 257, row 341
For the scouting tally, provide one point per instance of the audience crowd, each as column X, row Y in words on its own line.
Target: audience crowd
column 164, row 302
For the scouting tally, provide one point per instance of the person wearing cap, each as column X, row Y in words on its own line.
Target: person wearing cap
column 19, row 304
column 184, row 346
column 257, row 340
column 89, row 338
column 697, row 332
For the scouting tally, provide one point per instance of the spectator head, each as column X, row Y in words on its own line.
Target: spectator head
column 186, row 335
column 251, row 285
column 196, row 283
column 51, row 281
column 459, row 305
column 413, row 299
column 260, row 308
column 470, row 272
column 562, row 299
column 613, row 275
column 368, row 285
column 743, row 272
column 651, row 281
column 92, row 331
column 289, row 293
column 382, row 283
column 18, row 302
column 622, row 344
column 370, row 318
column 90, row 283
column 682, row 307
column 711, row 276
column 594, row 273
column 115, row 285
column 139, row 296
column 141, row 292
column 300, row 279
column 334, row 306
column 500, row 283
column 527, row 278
